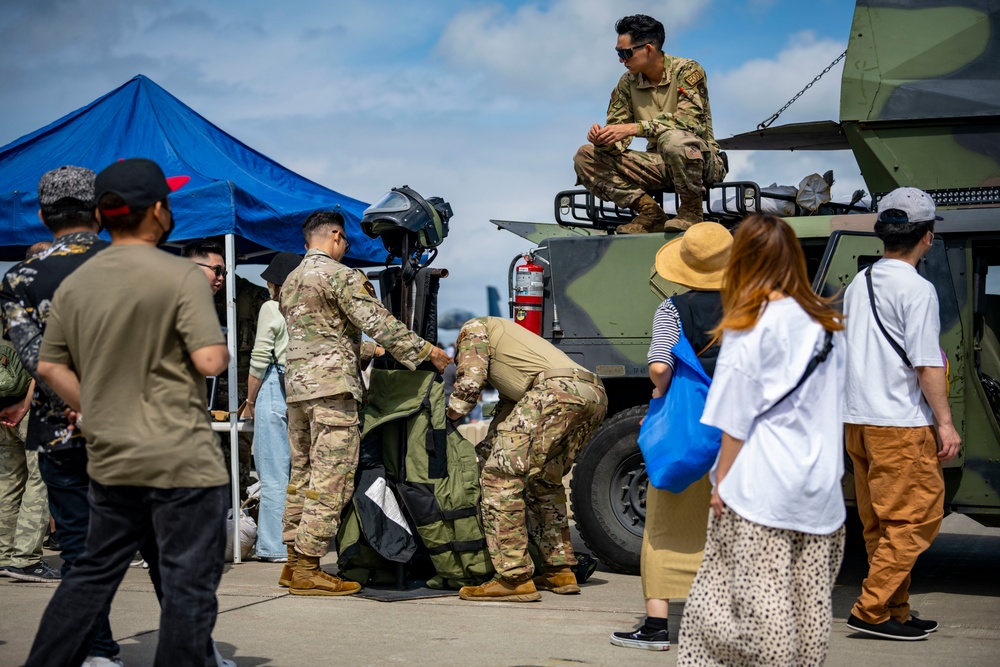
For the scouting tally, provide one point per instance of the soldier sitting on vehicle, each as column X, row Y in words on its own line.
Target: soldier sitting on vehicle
column 675, row 118
column 550, row 407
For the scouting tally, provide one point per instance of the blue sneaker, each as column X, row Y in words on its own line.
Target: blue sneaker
column 40, row 572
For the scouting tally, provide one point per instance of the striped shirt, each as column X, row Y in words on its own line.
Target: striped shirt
column 666, row 334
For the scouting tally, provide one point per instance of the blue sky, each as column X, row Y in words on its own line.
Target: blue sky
column 482, row 103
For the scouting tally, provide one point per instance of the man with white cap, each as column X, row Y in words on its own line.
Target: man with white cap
column 898, row 423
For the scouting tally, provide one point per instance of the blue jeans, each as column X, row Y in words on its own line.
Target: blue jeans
column 272, row 458
column 65, row 475
column 189, row 528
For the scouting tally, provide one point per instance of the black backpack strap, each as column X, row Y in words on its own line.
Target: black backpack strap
column 892, row 341
column 811, row 367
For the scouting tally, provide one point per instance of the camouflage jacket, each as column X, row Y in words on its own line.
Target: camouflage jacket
column 327, row 306
column 678, row 102
column 503, row 353
column 25, row 299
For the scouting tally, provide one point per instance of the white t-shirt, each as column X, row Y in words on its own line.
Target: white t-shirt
column 881, row 390
column 787, row 474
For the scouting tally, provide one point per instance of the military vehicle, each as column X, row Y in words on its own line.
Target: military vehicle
column 920, row 106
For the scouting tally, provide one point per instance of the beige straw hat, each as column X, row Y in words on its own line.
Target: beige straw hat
column 698, row 258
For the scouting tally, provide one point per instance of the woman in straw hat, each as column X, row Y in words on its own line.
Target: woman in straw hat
column 762, row 595
column 674, row 535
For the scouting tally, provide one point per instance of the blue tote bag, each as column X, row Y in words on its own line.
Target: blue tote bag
column 677, row 447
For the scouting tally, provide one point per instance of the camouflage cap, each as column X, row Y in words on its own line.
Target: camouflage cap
column 67, row 187
column 14, row 378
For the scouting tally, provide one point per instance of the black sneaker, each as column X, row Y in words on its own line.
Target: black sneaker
column 924, row 624
column 653, row 641
column 40, row 572
column 891, row 629
column 3, row 571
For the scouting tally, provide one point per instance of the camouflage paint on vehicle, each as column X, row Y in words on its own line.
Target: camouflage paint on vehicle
column 920, row 106
column 920, row 91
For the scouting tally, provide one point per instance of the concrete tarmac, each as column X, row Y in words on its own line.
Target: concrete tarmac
column 956, row 582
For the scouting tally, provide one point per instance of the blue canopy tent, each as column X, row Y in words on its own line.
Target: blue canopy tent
column 233, row 188
column 234, row 191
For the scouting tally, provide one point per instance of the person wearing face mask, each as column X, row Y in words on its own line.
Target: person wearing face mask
column 128, row 341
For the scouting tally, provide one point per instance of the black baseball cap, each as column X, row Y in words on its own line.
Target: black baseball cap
column 281, row 265
column 140, row 182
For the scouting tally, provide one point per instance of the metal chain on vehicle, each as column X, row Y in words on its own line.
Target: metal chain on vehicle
column 764, row 125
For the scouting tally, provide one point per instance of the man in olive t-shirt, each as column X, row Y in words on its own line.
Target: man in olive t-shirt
column 129, row 339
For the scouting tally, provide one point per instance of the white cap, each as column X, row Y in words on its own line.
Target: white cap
column 916, row 205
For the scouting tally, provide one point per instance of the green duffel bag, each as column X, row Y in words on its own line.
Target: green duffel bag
column 438, row 476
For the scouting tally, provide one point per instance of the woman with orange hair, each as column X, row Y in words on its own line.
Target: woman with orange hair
column 763, row 593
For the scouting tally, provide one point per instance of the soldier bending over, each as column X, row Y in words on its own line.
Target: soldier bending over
column 672, row 114
column 550, row 406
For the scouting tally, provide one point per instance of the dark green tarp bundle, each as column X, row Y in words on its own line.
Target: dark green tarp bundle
column 438, row 484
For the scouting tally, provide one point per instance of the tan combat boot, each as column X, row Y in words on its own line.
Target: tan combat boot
column 690, row 212
column 285, row 578
column 559, row 580
column 501, row 590
column 649, row 219
column 309, row 579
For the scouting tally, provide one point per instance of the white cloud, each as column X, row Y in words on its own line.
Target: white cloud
column 746, row 95
column 563, row 49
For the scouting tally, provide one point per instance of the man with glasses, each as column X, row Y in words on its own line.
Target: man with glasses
column 899, row 426
column 663, row 99
column 327, row 306
column 210, row 256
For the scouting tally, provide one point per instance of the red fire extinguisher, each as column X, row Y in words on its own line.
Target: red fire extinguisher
column 528, row 295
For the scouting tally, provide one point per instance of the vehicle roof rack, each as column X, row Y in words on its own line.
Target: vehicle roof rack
column 580, row 208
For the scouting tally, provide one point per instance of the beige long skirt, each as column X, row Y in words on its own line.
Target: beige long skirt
column 674, row 539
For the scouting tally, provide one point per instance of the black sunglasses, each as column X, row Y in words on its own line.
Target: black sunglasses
column 625, row 54
column 346, row 242
column 219, row 271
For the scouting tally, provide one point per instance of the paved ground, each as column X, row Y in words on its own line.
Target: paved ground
column 956, row 582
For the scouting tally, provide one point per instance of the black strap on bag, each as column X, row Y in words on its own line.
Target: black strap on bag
column 280, row 372
column 814, row 363
column 892, row 341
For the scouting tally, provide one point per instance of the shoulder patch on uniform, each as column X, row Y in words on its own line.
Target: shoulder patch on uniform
column 370, row 288
column 694, row 77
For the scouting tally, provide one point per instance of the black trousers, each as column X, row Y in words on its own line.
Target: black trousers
column 189, row 527
column 65, row 475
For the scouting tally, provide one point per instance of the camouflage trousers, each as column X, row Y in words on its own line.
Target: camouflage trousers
column 681, row 163
column 522, row 479
column 24, row 503
column 324, row 439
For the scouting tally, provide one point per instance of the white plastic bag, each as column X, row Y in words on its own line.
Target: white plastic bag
column 814, row 191
column 248, row 535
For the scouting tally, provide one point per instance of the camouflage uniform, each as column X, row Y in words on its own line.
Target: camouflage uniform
column 544, row 425
column 675, row 118
column 24, row 504
column 327, row 306
column 249, row 299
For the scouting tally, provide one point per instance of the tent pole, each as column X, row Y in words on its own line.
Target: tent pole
column 234, row 446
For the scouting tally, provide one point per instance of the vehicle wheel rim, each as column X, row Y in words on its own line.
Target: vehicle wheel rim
column 628, row 493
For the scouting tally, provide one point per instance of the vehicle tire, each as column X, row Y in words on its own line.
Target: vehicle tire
column 608, row 492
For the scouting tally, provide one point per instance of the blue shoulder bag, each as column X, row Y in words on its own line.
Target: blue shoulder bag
column 677, row 447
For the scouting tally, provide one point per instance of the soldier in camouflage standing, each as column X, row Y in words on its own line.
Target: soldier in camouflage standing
column 327, row 306
column 549, row 408
column 24, row 510
column 663, row 99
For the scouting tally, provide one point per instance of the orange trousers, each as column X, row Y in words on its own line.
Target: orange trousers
column 900, row 489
